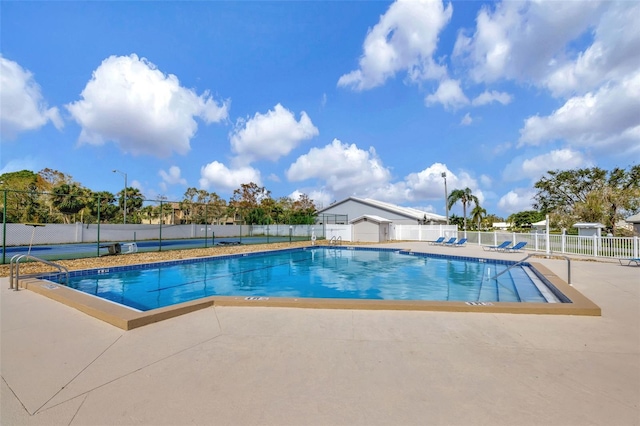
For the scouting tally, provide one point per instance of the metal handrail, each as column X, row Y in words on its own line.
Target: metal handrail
column 540, row 255
column 15, row 260
column 335, row 240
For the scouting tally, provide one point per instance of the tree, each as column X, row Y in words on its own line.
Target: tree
column 590, row 194
column 135, row 199
column 477, row 214
column 108, row 207
column 525, row 218
column 247, row 197
column 69, row 199
column 466, row 198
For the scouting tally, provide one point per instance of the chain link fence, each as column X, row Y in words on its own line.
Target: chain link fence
column 55, row 226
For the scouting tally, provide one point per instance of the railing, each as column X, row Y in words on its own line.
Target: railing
column 613, row 247
column 15, row 266
column 539, row 255
column 335, row 240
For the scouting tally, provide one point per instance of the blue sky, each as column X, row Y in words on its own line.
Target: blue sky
column 330, row 99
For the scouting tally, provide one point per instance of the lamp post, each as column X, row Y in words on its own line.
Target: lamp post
column 124, row 194
column 446, row 196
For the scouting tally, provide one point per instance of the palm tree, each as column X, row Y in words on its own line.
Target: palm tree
column 465, row 197
column 477, row 214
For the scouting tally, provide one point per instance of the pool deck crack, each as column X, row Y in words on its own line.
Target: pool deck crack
column 119, row 377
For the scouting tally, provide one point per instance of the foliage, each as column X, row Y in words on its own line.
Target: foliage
column 477, row 216
column 466, row 198
column 590, row 195
column 525, row 218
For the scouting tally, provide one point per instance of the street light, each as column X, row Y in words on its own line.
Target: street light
column 124, row 193
column 446, row 196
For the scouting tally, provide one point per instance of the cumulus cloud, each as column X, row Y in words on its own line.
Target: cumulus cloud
column 488, row 97
column 429, row 183
column 534, row 168
column 517, row 200
column 23, row 107
column 449, row 94
column 346, row 169
column 606, row 120
column 144, row 111
column 270, row 136
column 612, row 56
column 519, row 40
column 405, row 38
column 220, row 178
column 173, row 177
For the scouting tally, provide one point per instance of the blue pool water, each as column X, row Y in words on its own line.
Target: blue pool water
column 321, row 272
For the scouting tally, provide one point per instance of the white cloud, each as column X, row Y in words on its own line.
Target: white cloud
column 173, row 177
column 611, row 57
column 517, row 200
column 449, row 94
column 23, row 107
column 346, row 169
column 429, row 183
column 488, row 97
column 405, row 38
column 220, row 178
column 519, row 40
column 534, row 168
column 144, row 111
column 606, row 120
column 270, row 136
column 466, row 120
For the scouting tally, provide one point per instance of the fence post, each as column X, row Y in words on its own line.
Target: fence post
column 98, row 231
column 160, row 228
column 495, row 238
column 595, row 245
column 206, row 225
column 635, row 247
column 4, row 228
column 563, row 242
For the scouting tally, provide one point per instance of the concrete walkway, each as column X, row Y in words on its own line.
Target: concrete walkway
column 279, row 366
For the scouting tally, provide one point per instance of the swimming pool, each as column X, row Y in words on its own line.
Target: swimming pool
column 318, row 272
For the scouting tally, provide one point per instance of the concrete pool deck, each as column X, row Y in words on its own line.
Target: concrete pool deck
column 286, row 366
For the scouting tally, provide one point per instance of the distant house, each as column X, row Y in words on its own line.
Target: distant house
column 354, row 208
column 503, row 226
column 635, row 222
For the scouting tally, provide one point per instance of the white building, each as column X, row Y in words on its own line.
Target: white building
column 354, row 208
column 635, row 222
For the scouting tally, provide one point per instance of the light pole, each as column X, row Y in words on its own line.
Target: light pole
column 124, row 194
column 446, row 196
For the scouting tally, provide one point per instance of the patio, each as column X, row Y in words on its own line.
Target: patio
column 284, row 366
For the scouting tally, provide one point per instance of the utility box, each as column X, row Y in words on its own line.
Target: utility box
column 589, row 229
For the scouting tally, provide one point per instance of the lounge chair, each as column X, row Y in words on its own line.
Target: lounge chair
column 498, row 247
column 461, row 242
column 437, row 242
column 450, row 242
column 629, row 261
column 517, row 248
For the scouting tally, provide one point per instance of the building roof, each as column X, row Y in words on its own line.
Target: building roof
column 633, row 219
column 402, row 211
column 371, row 218
column 588, row 225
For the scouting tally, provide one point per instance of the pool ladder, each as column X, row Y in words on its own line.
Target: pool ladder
column 540, row 255
column 15, row 266
column 335, row 241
